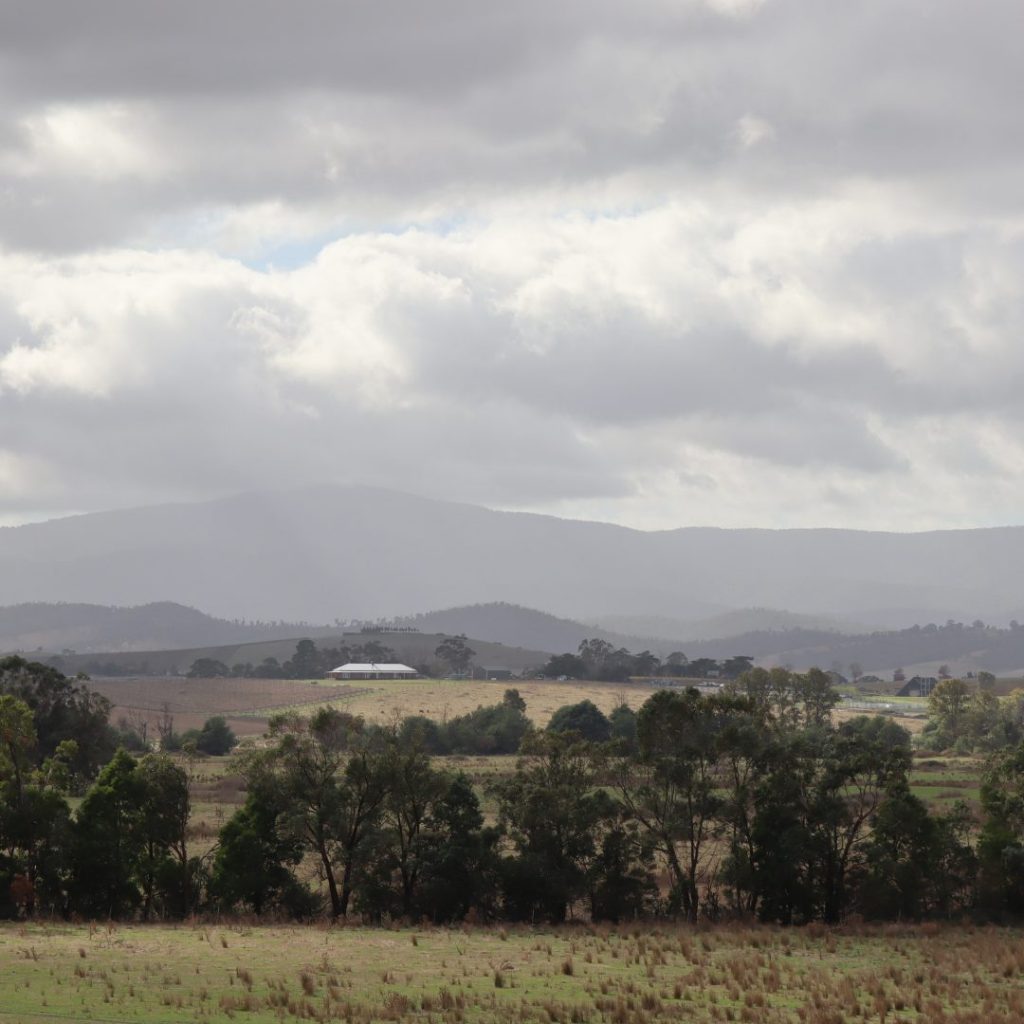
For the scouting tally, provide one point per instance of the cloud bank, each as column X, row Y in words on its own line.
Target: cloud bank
column 728, row 263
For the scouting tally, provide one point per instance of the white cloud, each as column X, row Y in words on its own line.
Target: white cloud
column 721, row 261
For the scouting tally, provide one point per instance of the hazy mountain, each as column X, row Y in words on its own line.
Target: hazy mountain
column 725, row 624
column 330, row 553
column 526, row 627
column 961, row 647
column 162, row 624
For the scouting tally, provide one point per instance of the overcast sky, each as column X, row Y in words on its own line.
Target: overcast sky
column 664, row 263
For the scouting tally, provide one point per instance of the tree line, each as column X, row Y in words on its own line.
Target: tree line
column 966, row 719
column 598, row 659
column 308, row 662
column 311, row 662
column 749, row 802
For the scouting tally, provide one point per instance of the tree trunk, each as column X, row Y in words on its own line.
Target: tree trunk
column 332, row 884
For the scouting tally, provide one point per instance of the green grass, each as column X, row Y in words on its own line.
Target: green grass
column 942, row 781
column 635, row 974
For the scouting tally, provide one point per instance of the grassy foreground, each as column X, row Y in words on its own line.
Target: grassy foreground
column 156, row 973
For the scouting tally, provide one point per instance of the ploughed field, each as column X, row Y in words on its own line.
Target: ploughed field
column 247, row 704
column 204, row 972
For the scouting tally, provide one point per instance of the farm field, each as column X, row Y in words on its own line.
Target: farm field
column 942, row 781
column 207, row 972
column 380, row 700
column 247, row 704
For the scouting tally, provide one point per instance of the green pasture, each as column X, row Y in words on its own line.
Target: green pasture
column 221, row 972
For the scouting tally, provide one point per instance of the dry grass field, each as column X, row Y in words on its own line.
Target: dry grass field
column 249, row 703
column 627, row 975
column 381, row 700
column 912, row 723
column 384, row 700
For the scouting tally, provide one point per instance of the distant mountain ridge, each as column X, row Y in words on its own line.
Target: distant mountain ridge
column 524, row 627
column 725, row 624
column 164, row 625
column 337, row 553
column 83, row 627
column 164, row 637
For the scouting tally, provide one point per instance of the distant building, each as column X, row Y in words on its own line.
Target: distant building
column 919, row 686
column 492, row 673
column 370, row 670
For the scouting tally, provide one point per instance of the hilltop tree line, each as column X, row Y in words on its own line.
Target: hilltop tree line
column 311, row 662
column 308, row 662
column 598, row 659
column 749, row 802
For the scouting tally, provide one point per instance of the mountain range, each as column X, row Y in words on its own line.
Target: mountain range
column 333, row 553
column 165, row 637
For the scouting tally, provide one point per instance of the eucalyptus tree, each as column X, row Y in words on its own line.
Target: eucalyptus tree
column 672, row 786
column 554, row 814
column 333, row 774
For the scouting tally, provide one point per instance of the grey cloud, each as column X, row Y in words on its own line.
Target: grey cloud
column 496, row 354
column 462, row 103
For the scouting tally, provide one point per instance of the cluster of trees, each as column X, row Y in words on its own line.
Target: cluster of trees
column 491, row 729
column 61, row 709
column 125, row 850
column 751, row 801
column 598, row 659
column 311, row 662
column 308, row 662
column 215, row 738
column 966, row 719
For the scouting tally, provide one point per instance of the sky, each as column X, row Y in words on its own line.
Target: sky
column 664, row 263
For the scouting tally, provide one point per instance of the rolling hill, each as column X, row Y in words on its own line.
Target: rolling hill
column 40, row 626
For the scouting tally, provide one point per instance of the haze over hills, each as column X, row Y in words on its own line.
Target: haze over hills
column 526, row 627
column 503, row 635
column 329, row 553
column 725, row 624
column 162, row 624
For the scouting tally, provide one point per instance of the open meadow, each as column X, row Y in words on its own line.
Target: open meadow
column 630, row 975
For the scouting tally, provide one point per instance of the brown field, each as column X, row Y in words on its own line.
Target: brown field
column 381, row 700
column 247, row 704
column 913, row 724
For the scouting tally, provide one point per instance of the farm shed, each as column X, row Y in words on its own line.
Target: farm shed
column 370, row 670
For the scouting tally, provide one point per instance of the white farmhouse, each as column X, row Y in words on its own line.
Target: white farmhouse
column 370, row 670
